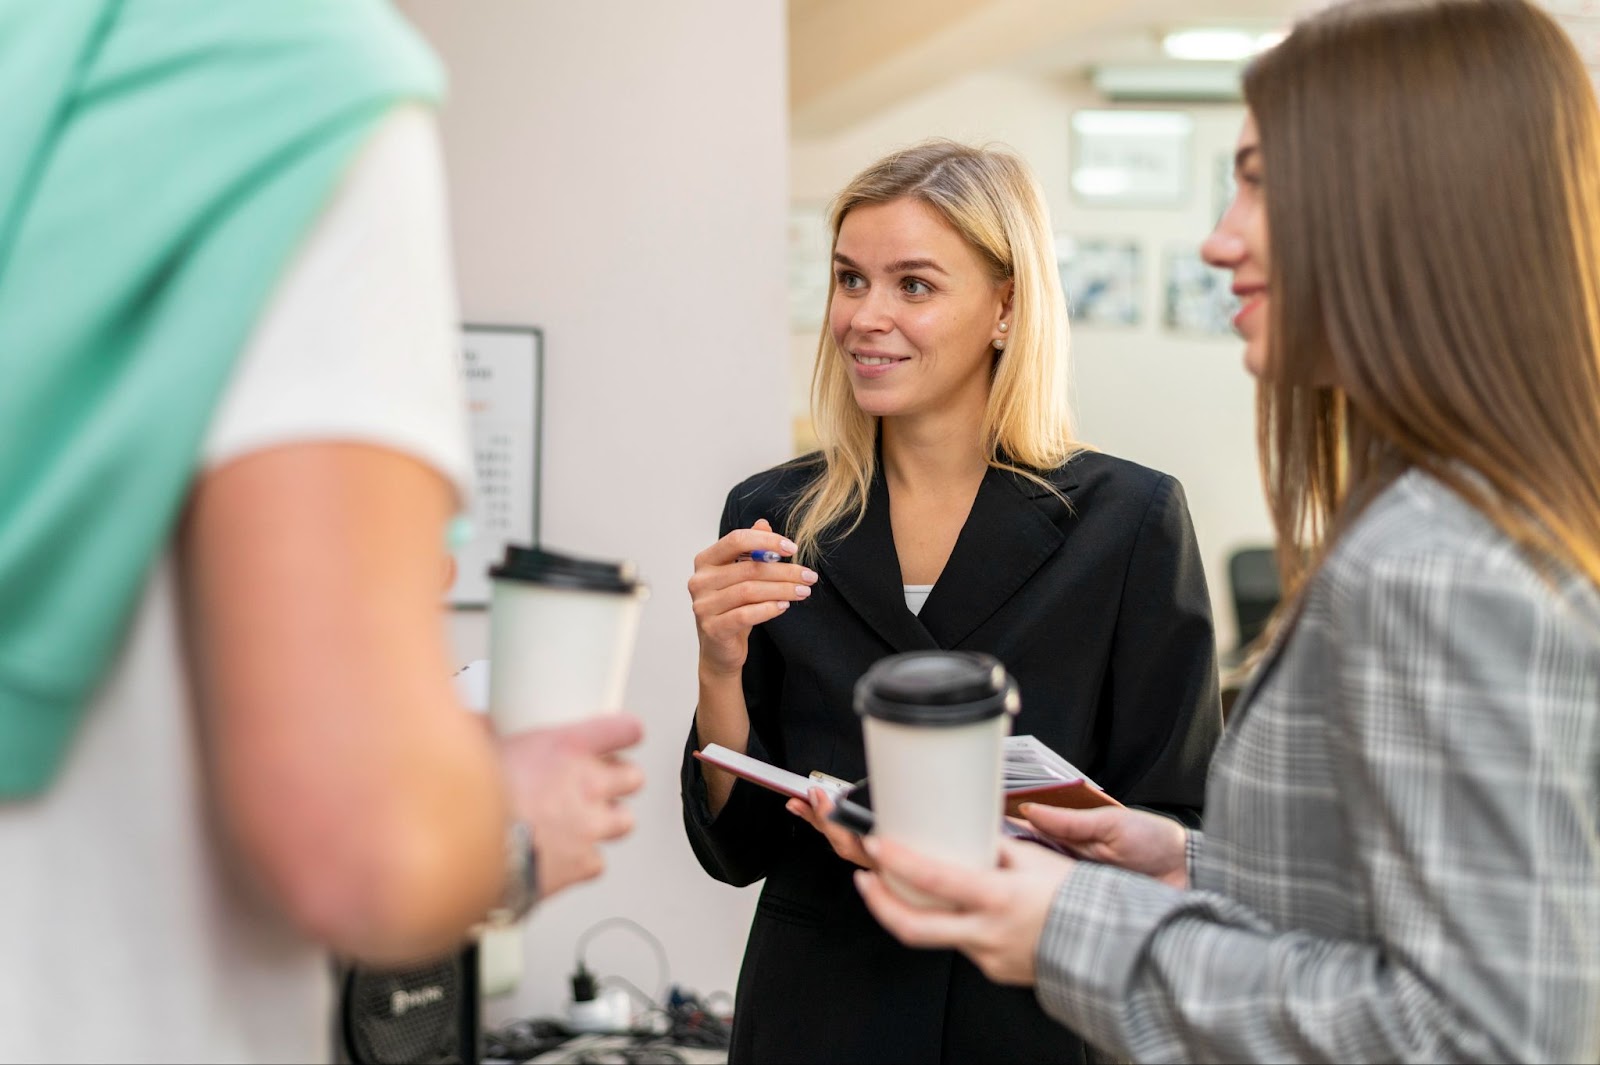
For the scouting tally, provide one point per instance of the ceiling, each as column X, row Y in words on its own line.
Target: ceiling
column 849, row 59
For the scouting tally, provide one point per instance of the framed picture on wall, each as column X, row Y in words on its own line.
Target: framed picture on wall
column 1199, row 299
column 1103, row 280
column 1222, row 185
column 1131, row 158
column 810, row 266
column 503, row 367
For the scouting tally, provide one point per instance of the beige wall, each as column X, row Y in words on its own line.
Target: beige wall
column 1179, row 404
column 619, row 178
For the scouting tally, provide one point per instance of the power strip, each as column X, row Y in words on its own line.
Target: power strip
column 609, row 1012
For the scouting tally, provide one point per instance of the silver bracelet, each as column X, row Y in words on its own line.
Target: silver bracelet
column 521, row 890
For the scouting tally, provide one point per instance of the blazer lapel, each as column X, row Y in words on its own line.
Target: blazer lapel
column 1006, row 538
column 1264, row 668
column 865, row 569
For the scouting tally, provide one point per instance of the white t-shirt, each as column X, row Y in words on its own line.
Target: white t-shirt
column 124, row 933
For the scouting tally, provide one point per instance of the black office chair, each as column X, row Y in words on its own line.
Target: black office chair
column 1253, row 580
column 1253, row 584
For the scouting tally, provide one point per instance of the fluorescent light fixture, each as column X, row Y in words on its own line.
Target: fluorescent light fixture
column 1217, row 45
column 1132, row 123
column 1169, row 82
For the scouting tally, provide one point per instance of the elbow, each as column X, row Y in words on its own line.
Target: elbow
column 396, row 896
column 722, row 861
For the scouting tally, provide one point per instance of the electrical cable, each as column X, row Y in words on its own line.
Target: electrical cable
column 523, row 1039
column 647, row 1004
column 674, row 1018
column 665, row 969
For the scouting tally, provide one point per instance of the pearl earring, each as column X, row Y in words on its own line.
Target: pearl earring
column 1000, row 345
column 1004, row 327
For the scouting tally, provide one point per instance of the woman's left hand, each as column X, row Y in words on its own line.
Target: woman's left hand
column 846, row 844
column 995, row 916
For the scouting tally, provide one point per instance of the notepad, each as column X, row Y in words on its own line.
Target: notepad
column 1033, row 773
column 768, row 775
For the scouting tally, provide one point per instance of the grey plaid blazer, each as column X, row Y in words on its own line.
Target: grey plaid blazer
column 1402, row 851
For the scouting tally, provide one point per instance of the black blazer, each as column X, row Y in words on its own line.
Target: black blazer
column 1099, row 610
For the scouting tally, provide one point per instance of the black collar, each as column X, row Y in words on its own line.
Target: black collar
column 1008, row 535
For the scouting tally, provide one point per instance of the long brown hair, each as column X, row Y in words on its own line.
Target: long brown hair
column 1432, row 177
column 992, row 199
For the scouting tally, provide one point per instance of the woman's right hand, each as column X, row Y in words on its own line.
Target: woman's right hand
column 1136, row 840
column 732, row 596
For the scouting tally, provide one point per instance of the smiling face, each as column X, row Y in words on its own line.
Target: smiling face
column 1239, row 244
column 915, row 311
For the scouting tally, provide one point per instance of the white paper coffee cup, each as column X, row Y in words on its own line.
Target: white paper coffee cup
column 935, row 724
column 561, row 637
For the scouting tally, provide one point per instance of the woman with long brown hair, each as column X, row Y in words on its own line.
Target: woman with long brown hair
column 1401, row 859
column 950, row 507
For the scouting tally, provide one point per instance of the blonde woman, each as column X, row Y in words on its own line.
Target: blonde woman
column 950, row 507
column 1402, row 851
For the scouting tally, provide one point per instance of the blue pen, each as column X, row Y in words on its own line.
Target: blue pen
column 765, row 556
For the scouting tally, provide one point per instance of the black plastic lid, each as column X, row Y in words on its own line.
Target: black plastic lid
column 536, row 565
column 936, row 688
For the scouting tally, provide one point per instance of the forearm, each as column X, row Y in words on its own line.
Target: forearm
column 1168, row 975
column 396, row 857
column 721, row 717
column 442, row 866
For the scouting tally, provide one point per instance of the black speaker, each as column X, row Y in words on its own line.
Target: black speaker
column 426, row 1015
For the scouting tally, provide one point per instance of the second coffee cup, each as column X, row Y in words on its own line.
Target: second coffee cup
column 561, row 636
column 935, row 724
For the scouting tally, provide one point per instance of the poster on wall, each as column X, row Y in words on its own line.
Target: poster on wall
column 1131, row 158
column 1199, row 298
column 1103, row 280
column 1223, row 188
column 503, row 367
column 810, row 266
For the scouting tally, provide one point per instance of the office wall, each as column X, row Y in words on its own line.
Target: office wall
column 619, row 178
column 1171, row 401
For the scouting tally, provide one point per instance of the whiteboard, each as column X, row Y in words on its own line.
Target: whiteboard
column 503, row 368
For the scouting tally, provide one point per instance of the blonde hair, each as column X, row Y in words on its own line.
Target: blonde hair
column 1432, row 175
column 993, row 200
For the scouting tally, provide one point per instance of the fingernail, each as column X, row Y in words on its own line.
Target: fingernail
column 860, row 877
column 870, row 845
column 809, row 576
column 802, row 590
column 783, row 606
column 789, row 546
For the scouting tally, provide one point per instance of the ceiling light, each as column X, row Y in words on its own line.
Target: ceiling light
column 1157, row 124
column 1218, row 44
column 1158, row 82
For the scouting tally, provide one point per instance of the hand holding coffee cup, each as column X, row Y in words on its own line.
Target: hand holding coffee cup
column 567, row 784
column 561, row 635
column 738, row 583
column 935, row 724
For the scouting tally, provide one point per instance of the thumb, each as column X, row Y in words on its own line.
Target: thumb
column 1067, row 825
